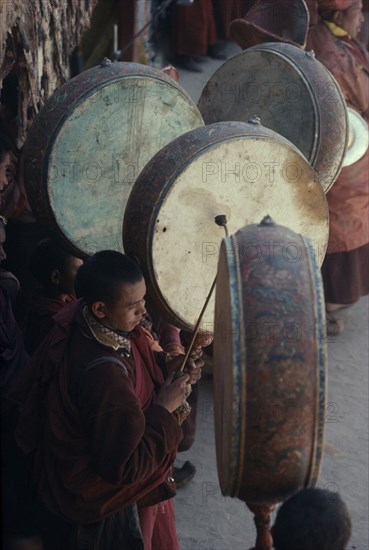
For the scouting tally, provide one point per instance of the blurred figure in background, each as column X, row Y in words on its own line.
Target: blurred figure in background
column 55, row 270
column 19, row 531
column 12, row 354
column 194, row 34
column 346, row 266
column 22, row 231
column 224, row 12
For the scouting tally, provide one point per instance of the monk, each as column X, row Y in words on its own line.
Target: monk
column 55, row 270
column 23, row 232
column 346, row 266
column 194, row 34
column 18, row 528
column 101, row 420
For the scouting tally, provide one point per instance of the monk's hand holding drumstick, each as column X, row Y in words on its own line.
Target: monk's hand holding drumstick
column 173, row 392
column 191, row 373
column 192, row 367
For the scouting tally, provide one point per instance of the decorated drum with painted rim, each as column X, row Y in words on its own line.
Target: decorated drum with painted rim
column 269, row 364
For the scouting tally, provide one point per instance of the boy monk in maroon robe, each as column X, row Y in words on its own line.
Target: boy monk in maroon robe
column 97, row 418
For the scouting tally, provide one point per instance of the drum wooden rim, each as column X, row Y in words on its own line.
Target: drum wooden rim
column 234, row 480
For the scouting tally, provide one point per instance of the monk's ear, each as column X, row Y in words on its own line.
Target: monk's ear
column 99, row 310
column 337, row 18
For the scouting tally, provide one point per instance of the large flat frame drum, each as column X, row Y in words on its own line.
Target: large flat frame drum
column 292, row 93
column 239, row 170
column 89, row 143
column 269, row 365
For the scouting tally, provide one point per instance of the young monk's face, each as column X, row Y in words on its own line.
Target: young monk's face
column 128, row 309
column 352, row 19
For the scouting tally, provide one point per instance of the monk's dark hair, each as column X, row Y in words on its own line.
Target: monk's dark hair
column 100, row 276
column 310, row 520
column 45, row 257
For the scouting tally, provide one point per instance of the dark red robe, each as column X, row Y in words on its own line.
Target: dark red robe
column 99, row 441
column 348, row 199
column 225, row 11
column 345, row 268
column 16, row 509
column 21, row 239
column 193, row 28
column 39, row 318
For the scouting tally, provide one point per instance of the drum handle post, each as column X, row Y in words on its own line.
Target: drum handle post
column 262, row 520
column 220, row 220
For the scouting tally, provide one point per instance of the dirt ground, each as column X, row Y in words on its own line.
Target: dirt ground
column 206, row 519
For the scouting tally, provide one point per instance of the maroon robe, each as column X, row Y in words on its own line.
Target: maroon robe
column 39, row 318
column 21, row 239
column 364, row 31
column 225, row 11
column 16, row 508
column 193, row 28
column 100, row 442
column 345, row 268
column 348, row 200
column 170, row 342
